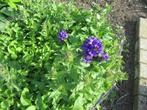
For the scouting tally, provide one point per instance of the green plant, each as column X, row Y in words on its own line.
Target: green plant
column 11, row 3
column 7, row 12
column 40, row 72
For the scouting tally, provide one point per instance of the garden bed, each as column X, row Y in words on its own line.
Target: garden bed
column 60, row 56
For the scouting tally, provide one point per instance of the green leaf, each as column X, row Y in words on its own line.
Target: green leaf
column 11, row 4
column 4, row 105
column 32, row 107
column 23, row 99
column 12, row 53
column 78, row 105
column 40, row 104
column 19, row 49
column 3, row 23
column 15, row 1
column 83, row 64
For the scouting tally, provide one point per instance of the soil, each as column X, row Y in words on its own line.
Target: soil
column 126, row 13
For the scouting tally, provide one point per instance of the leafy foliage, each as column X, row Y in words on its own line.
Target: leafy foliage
column 42, row 73
column 7, row 12
column 11, row 3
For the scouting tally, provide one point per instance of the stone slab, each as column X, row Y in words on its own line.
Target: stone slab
column 141, row 51
column 143, row 28
column 143, row 43
column 141, row 70
column 140, row 86
column 140, row 102
column 140, row 79
column 143, row 56
column 137, row 55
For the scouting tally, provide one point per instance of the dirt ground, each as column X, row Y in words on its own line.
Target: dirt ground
column 126, row 13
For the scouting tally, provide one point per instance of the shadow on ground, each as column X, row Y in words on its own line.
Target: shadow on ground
column 126, row 13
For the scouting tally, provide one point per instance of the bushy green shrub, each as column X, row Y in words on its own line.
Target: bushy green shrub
column 43, row 73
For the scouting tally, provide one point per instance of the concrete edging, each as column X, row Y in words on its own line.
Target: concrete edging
column 140, row 79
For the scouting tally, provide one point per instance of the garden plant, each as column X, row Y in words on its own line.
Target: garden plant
column 11, row 3
column 57, row 56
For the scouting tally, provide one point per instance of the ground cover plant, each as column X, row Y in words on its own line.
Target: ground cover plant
column 56, row 56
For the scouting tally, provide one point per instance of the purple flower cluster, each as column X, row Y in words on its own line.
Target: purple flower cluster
column 93, row 48
column 62, row 35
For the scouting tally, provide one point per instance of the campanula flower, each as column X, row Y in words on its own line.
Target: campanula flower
column 92, row 48
column 62, row 35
